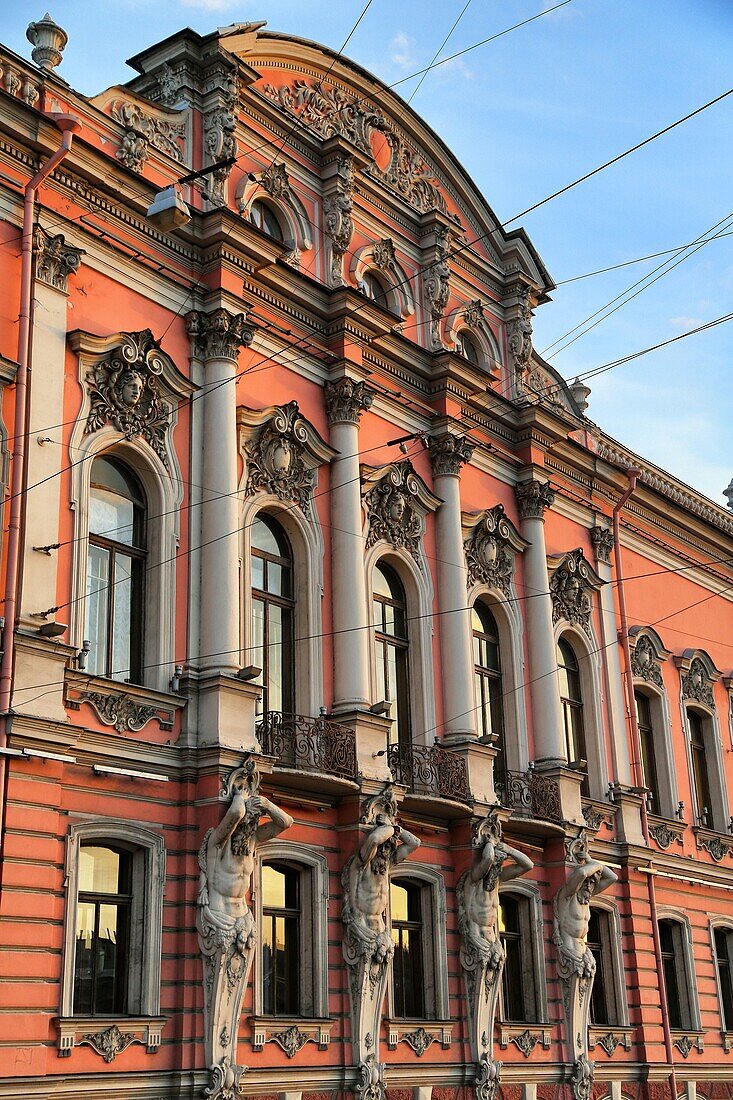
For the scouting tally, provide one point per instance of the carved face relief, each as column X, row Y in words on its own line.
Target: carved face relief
column 131, row 388
column 571, row 587
column 275, row 459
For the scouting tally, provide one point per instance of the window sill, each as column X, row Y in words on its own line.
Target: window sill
column 608, row 1037
column 665, row 831
column 108, row 1035
column 419, row 1034
column 717, row 845
column 127, row 707
column 291, row 1033
column 525, row 1036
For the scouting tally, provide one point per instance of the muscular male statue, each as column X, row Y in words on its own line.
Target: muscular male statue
column 367, row 882
column 496, row 862
column 227, row 857
column 572, row 911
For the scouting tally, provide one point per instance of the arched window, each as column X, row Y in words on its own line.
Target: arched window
column 102, row 931
column 115, row 571
column 648, row 755
column 374, row 289
column 264, row 218
column 390, row 626
column 408, row 966
column 723, row 943
column 676, row 975
column 281, row 940
column 696, row 723
column 487, row 679
column 272, row 614
column 466, row 347
column 571, row 698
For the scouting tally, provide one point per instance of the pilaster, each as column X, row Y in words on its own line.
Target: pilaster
column 602, row 539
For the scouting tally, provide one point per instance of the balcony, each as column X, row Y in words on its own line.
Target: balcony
column 314, row 745
column 530, row 794
column 430, row 770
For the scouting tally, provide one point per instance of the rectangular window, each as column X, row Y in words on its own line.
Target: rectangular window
column 408, row 970
column 281, row 946
column 102, row 931
column 700, row 773
column 673, row 964
column 723, row 956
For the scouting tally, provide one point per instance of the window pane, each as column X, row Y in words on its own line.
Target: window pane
column 112, row 516
column 99, row 871
column 83, row 957
column 722, row 951
column 258, row 572
column 96, row 611
column 273, row 887
column 398, row 902
column 274, row 658
column 122, row 621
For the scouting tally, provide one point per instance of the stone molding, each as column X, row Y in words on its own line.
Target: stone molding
column 573, row 580
column 533, row 498
column 346, row 400
column 697, row 676
column 291, row 1035
column 666, row 832
column 436, row 284
column 419, row 1038
column 448, row 454
column 609, row 1037
column 55, row 259
column 108, row 1036
column 125, row 707
column 602, row 539
column 146, row 130
column 491, row 542
column 396, row 501
column 647, row 654
column 282, row 451
column 338, row 222
column 218, row 334
column 525, row 1037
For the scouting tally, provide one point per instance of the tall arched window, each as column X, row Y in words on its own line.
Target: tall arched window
column 264, row 218
column 648, row 756
column 390, row 627
column 281, row 946
column 675, row 962
column 408, row 966
column 571, row 698
column 700, row 773
column 373, row 287
column 115, row 571
column 487, row 679
column 466, row 347
column 102, row 931
column 272, row 613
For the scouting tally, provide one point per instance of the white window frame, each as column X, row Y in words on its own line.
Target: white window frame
column 720, row 811
column 715, row 924
column 313, row 922
column 663, row 747
column 530, row 895
column 149, row 897
column 435, row 951
column 588, row 654
column 611, row 946
column 685, row 964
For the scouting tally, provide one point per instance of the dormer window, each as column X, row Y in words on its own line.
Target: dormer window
column 264, row 218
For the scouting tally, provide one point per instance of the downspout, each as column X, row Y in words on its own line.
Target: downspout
column 638, row 774
column 68, row 125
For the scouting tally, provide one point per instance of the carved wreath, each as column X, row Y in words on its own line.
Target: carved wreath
column 123, row 391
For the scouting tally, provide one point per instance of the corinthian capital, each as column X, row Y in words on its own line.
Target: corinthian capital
column 346, row 400
column 533, row 497
column 219, row 334
column 448, row 453
column 55, row 259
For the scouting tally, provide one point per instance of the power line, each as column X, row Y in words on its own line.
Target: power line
column 638, row 260
column 439, row 50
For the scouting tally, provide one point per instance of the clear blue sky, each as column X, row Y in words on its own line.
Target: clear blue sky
column 526, row 115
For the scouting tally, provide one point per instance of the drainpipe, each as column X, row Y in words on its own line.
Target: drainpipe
column 68, row 125
column 638, row 775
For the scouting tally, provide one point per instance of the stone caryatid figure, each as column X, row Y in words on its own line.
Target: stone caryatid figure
column 576, row 966
column 482, row 954
column 226, row 929
column 368, row 946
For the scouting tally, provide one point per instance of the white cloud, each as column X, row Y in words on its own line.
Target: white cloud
column 209, row 5
column 401, row 51
column 686, row 322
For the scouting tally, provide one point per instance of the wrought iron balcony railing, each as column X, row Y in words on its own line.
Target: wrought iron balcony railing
column 530, row 794
column 430, row 769
column 309, row 744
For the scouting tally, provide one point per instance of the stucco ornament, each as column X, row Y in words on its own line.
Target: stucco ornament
column 448, row 454
column 144, row 131
column 396, row 502
column 385, row 258
column 330, row 110
column 124, row 392
column 274, row 180
column 533, row 498
column 110, row 1042
column 572, row 583
column 473, row 314
column 482, row 955
column 170, row 82
column 490, row 542
column 48, row 40
column 225, row 926
column 220, row 124
column 696, row 684
column 602, row 539
column 644, row 662
column 436, row 284
column 346, row 400
column 519, row 332
column 337, row 219
column 218, row 334
column 576, row 966
column 275, row 459
column 367, row 943
column 55, row 259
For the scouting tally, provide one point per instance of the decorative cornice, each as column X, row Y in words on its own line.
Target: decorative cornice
column 533, row 498
column 119, row 710
column 666, row 832
column 448, row 453
column 346, row 400
column 717, row 845
column 602, row 539
column 697, row 684
column 55, row 259
column 219, row 334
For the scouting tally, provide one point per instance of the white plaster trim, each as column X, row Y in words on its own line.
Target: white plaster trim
column 589, row 656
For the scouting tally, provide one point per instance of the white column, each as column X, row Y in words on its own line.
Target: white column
column 218, row 337
column 533, row 497
column 602, row 539
column 447, row 456
column 345, row 402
